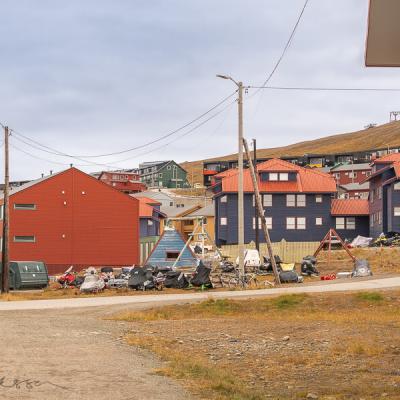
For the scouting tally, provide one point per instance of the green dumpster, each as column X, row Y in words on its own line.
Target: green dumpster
column 27, row 275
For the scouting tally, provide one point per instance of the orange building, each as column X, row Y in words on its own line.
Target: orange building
column 71, row 218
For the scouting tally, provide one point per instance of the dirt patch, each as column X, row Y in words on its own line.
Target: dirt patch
column 340, row 346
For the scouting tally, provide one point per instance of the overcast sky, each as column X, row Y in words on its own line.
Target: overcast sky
column 97, row 76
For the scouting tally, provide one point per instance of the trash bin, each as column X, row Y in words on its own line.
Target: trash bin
column 27, row 275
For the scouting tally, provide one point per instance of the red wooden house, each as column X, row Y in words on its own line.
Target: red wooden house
column 71, row 218
column 127, row 182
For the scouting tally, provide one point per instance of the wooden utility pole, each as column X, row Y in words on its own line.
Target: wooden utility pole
column 256, row 216
column 261, row 213
column 4, row 250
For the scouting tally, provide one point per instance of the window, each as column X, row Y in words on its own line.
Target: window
column 290, row 223
column 24, row 239
column 379, row 192
column 188, row 222
column 352, row 175
column 273, row 176
column 318, row 198
column 340, row 223
column 267, row 200
column 160, row 175
column 1, row 211
column 171, row 255
column 368, row 173
column 168, row 167
column 301, row 223
column 254, row 223
column 149, row 222
column 268, row 221
column 350, row 223
column 24, row 206
column 283, row 176
column 224, row 199
column 396, row 186
column 371, row 196
column 396, row 212
column 318, row 221
column 254, row 200
column 224, row 221
column 301, row 200
column 290, row 200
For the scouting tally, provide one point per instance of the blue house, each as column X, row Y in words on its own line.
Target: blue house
column 297, row 205
column 150, row 217
column 385, row 195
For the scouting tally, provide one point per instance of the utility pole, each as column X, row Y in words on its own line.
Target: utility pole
column 240, row 175
column 4, row 255
column 261, row 213
column 256, row 216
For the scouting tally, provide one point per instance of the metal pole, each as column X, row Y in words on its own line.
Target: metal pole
column 240, row 184
column 5, row 255
column 256, row 216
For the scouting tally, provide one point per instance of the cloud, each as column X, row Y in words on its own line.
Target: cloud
column 98, row 76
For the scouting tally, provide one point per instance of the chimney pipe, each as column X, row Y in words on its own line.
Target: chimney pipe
column 51, row 172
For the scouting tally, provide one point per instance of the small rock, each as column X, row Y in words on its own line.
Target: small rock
column 312, row 396
column 180, row 342
column 384, row 395
column 285, row 339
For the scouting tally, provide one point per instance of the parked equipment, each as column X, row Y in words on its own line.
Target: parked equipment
column 176, row 279
column 308, row 266
column 251, row 258
column 70, row 279
column 92, row 283
column 201, row 276
column 267, row 265
column 142, row 278
column 290, row 277
column 27, row 275
column 361, row 269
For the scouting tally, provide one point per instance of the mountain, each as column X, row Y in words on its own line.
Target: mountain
column 378, row 137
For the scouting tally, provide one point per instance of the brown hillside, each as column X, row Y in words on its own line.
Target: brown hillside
column 378, row 137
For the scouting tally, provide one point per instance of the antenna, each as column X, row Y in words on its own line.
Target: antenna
column 394, row 115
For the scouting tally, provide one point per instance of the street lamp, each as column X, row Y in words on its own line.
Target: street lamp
column 240, row 179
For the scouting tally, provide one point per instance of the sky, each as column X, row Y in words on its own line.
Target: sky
column 101, row 76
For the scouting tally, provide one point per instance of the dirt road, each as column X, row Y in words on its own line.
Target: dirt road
column 75, row 355
column 161, row 299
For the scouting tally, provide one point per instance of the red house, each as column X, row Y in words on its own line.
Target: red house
column 351, row 173
column 127, row 182
column 71, row 218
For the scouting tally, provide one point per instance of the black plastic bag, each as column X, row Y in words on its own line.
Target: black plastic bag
column 201, row 276
column 175, row 279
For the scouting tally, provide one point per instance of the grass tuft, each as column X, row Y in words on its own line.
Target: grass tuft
column 370, row 296
column 288, row 301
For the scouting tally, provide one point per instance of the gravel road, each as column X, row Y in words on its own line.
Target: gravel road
column 75, row 354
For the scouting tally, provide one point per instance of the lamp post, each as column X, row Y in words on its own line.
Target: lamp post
column 240, row 180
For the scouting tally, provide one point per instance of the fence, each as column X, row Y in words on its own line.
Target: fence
column 146, row 246
column 292, row 252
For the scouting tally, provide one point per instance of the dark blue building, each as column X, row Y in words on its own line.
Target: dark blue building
column 298, row 203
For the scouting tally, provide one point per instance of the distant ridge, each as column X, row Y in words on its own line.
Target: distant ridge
column 378, row 137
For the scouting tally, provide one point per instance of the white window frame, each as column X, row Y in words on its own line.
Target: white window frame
column 301, row 223
column 318, row 221
column 290, row 200
column 224, row 221
column 20, row 206
column 351, row 223
column 273, row 176
column 396, row 211
column 318, row 198
column 1, row 212
column 268, row 221
column 224, row 199
column 18, row 239
column 340, row 223
column 352, row 175
column 283, row 176
column 290, row 223
column 301, row 200
column 267, row 200
column 149, row 222
column 396, row 186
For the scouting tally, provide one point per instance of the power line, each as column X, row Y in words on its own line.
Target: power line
column 54, row 151
column 325, row 89
column 292, row 34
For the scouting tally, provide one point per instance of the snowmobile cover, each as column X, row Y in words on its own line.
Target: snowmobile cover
column 141, row 278
column 174, row 279
column 92, row 283
column 361, row 268
column 361, row 241
column 308, row 266
column 201, row 276
column 107, row 269
column 289, row 277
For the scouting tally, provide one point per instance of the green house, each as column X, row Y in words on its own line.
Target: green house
column 163, row 174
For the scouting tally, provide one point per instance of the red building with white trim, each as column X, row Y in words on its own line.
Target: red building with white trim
column 127, row 182
column 71, row 218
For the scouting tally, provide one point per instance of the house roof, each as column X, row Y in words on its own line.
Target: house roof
column 149, row 200
column 228, row 172
column 389, row 158
column 146, row 209
column 349, row 207
column 308, row 180
column 356, row 186
column 351, row 167
column 179, row 211
column 207, row 211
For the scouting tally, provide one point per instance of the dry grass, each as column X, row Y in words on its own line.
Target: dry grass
column 342, row 345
